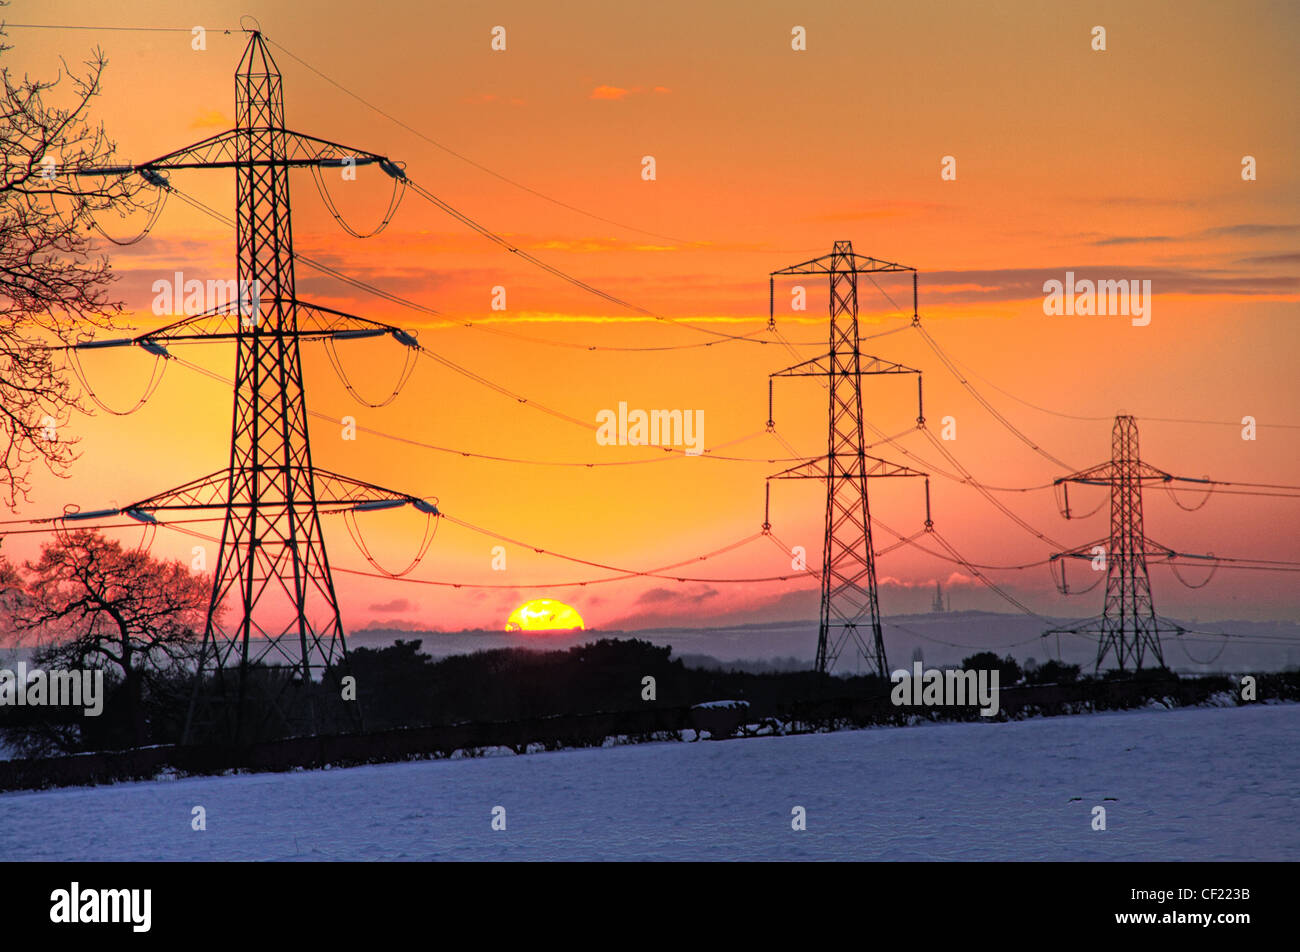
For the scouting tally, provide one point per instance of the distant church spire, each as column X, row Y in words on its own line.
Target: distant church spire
column 937, row 604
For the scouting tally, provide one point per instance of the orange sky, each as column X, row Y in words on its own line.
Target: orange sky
column 1123, row 163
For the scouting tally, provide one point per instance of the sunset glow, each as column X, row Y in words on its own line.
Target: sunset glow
column 544, row 614
column 1124, row 164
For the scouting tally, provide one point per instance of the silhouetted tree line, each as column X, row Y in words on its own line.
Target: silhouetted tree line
column 1011, row 672
column 400, row 686
column 92, row 604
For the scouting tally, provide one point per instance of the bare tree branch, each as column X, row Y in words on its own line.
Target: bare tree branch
column 53, row 289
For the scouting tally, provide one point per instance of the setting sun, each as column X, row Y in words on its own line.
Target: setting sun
column 544, row 614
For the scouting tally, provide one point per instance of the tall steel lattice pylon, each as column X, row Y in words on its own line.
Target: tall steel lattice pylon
column 273, row 595
column 850, row 606
column 1128, row 626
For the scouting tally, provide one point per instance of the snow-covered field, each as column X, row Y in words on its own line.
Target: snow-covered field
column 1197, row 783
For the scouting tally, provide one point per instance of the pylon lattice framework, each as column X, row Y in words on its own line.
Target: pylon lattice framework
column 850, row 606
column 272, row 567
column 1128, row 627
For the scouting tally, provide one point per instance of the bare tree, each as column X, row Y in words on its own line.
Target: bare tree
column 53, row 290
column 102, row 606
column 11, row 596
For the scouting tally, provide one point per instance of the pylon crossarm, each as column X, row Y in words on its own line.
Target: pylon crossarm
column 812, row 469
column 313, row 150
column 333, row 491
column 344, row 492
column 317, row 321
column 1204, row 557
column 816, row 468
column 1145, row 471
column 215, row 146
column 1102, row 475
column 302, row 150
column 223, row 151
column 1080, row 552
column 813, row 367
column 1099, row 475
column 219, row 322
column 867, row 364
column 884, row 467
column 822, row 265
column 206, row 492
column 1148, row 472
column 233, row 320
column 1154, row 549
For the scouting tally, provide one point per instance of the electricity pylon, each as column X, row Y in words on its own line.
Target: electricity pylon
column 1128, row 625
column 849, row 602
column 272, row 572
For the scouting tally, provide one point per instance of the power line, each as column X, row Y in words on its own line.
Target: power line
column 993, row 411
column 624, row 573
column 466, row 159
column 669, row 452
column 464, row 219
column 563, row 275
column 911, row 540
column 453, row 322
column 356, row 282
column 1286, row 426
column 952, row 368
column 1095, row 419
column 987, row 495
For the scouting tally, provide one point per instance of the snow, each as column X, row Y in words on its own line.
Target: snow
column 1189, row 784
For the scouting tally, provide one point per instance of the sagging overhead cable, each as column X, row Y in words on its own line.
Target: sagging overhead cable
column 425, row 309
column 154, row 214
column 410, row 356
column 155, row 377
column 426, row 540
column 1214, row 569
column 394, row 201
